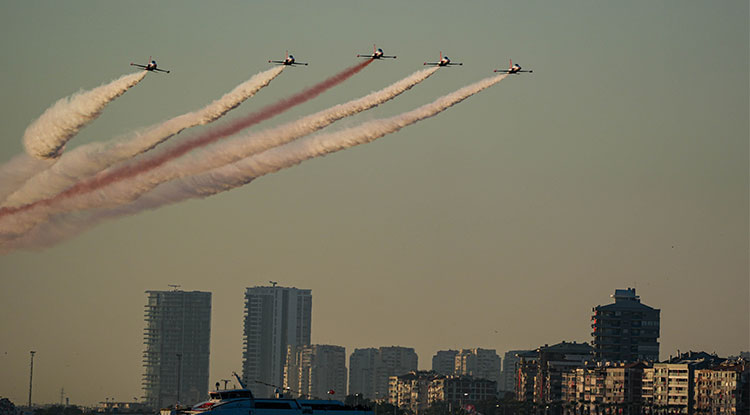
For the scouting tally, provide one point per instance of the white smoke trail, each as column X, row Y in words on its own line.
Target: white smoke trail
column 236, row 174
column 47, row 135
column 87, row 160
column 277, row 158
column 16, row 171
column 127, row 190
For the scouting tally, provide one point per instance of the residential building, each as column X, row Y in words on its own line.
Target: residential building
column 672, row 384
column 316, row 371
column 479, row 363
column 362, row 372
column 525, row 377
column 444, row 362
column 370, row 369
column 507, row 381
column 275, row 317
column 723, row 389
column 411, row 391
column 540, row 375
column 647, row 387
column 459, row 390
column 690, row 383
column 177, row 337
column 601, row 385
column 673, row 380
column 625, row 331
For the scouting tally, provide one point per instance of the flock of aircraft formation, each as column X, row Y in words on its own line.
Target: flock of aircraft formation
column 377, row 53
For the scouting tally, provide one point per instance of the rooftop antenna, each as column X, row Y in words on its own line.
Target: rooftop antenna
column 174, row 286
column 273, row 283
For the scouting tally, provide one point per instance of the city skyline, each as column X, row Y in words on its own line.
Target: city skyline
column 621, row 161
column 459, row 364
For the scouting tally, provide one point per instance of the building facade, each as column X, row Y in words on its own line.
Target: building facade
column 275, row 317
column 459, row 391
column 625, row 331
column 723, row 389
column 370, row 369
column 612, row 385
column 316, row 371
column 411, row 391
column 362, row 372
column 177, row 338
column 479, row 363
column 690, row 383
column 540, row 374
column 444, row 362
column 508, row 375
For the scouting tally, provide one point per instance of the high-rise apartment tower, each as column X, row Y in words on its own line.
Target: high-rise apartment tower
column 275, row 317
column 177, row 338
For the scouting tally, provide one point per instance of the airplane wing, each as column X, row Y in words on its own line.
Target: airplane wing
column 275, row 61
column 300, row 63
column 161, row 70
column 432, row 63
column 507, row 71
column 390, row 57
column 135, row 64
column 365, row 56
column 455, row 63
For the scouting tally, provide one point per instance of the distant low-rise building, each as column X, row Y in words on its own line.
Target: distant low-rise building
column 690, row 383
column 112, row 407
column 540, row 373
column 444, row 362
column 479, row 363
column 598, row 385
column 723, row 389
column 370, row 369
column 507, row 381
column 315, row 371
column 459, row 390
column 673, row 380
column 410, row 391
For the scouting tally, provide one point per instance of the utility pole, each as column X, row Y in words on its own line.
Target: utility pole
column 31, row 375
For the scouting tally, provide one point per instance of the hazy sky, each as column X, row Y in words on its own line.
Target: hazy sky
column 622, row 161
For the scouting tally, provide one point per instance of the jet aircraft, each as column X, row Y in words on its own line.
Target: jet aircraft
column 444, row 61
column 377, row 53
column 512, row 69
column 289, row 61
column 150, row 66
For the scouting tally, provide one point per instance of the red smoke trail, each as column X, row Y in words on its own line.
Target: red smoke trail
column 133, row 170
